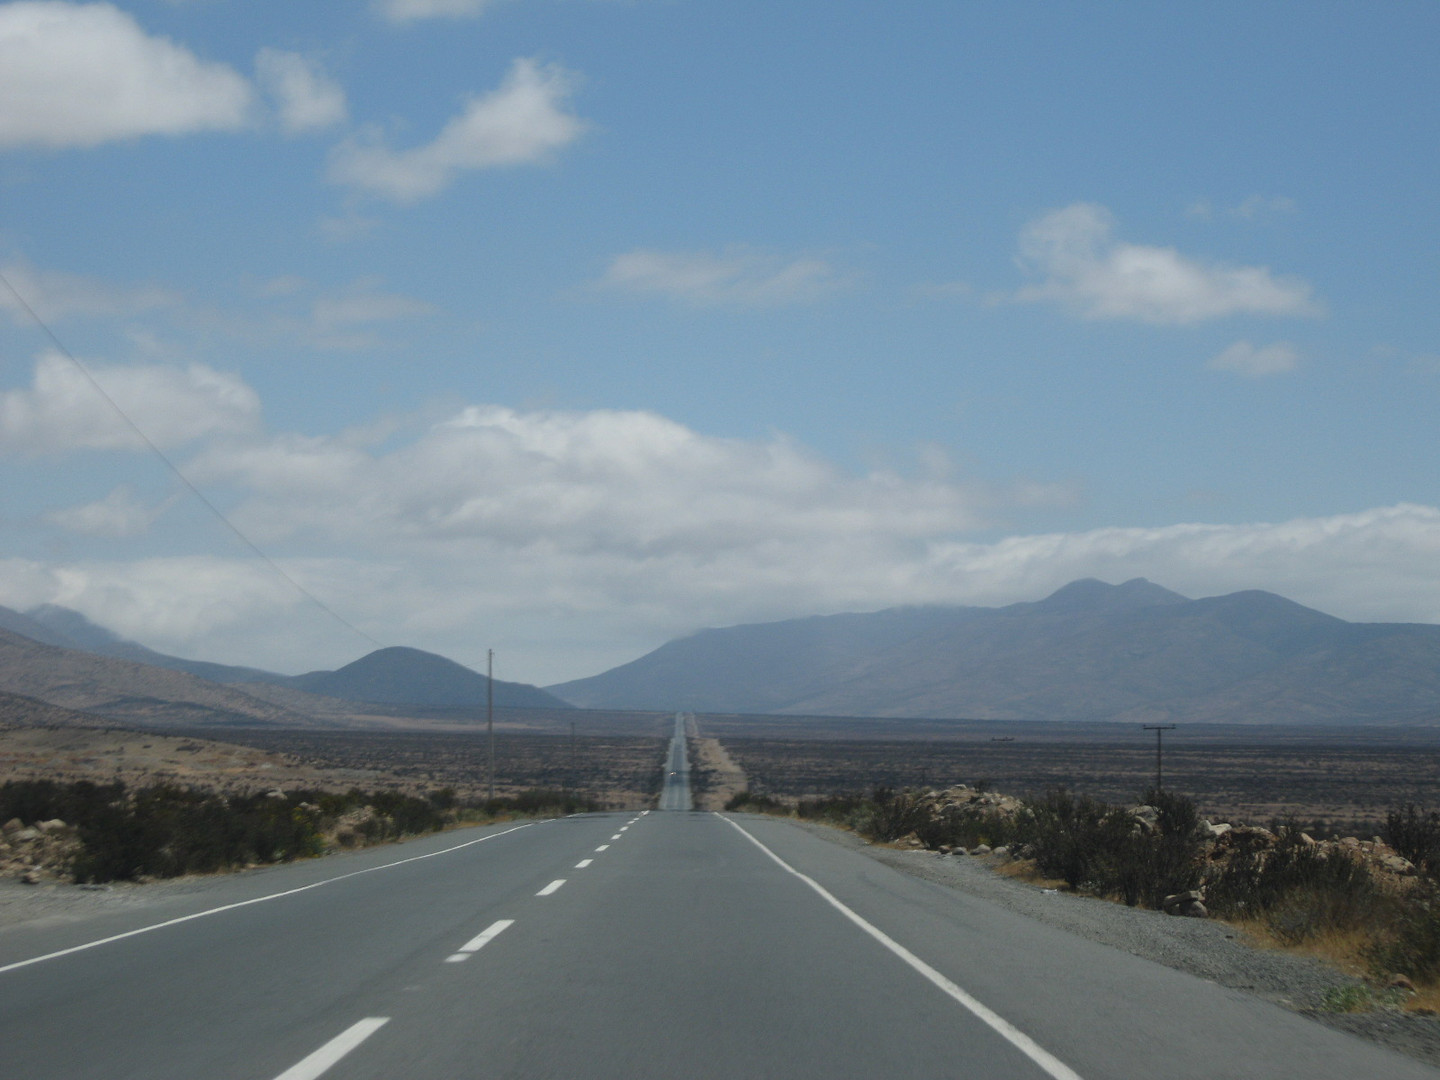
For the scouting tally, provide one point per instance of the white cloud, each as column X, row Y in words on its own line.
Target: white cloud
column 630, row 483
column 78, row 75
column 1255, row 362
column 117, row 516
column 307, row 99
column 61, row 411
column 409, row 10
column 1088, row 271
column 362, row 303
column 739, row 277
column 1381, row 564
column 557, row 607
column 54, row 295
column 521, row 123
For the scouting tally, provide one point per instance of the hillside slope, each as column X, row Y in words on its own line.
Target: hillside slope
column 126, row 691
column 402, row 676
column 1090, row 651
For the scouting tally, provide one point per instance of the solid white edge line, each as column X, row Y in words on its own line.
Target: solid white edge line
column 1002, row 1027
column 554, row 886
column 247, row 903
column 489, row 934
column 583, row 863
column 334, row 1050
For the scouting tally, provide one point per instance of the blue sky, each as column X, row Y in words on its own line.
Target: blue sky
column 569, row 326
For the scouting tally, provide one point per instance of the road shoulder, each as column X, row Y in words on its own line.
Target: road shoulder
column 1208, row 949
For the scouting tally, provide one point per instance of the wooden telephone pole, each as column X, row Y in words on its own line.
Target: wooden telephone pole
column 490, row 713
column 1159, row 753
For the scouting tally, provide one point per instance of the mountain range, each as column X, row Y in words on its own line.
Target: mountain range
column 58, row 656
column 1091, row 651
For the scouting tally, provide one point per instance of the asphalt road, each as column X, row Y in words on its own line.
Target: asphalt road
column 672, row 944
column 675, row 795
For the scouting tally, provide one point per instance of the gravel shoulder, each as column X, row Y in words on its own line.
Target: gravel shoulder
column 1209, row 949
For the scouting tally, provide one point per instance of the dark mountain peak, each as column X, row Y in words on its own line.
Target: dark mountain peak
column 1092, row 594
column 32, row 628
column 74, row 627
column 398, row 675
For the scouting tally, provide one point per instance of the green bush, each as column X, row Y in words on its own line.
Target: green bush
column 1068, row 836
column 752, row 803
column 1296, row 889
column 1106, row 850
column 1412, row 947
column 1415, row 834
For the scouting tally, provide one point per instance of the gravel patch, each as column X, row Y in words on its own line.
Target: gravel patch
column 1208, row 948
column 61, row 902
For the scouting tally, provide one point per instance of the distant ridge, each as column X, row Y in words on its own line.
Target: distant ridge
column 1089, row 651
column 402, row 676
column 126, row 691
column 390, row 676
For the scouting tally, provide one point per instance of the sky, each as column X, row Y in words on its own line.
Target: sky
column 567, row 327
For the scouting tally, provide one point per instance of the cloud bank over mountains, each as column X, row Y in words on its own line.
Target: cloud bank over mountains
column 623, row 526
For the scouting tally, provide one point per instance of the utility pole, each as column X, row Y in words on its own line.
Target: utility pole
column 490, row 713
column 1159, row 752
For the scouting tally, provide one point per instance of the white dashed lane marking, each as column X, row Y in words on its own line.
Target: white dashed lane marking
column 554, row 886
column 321, row 1060
column 480, row 940
column 583, row 863
column 603, row 847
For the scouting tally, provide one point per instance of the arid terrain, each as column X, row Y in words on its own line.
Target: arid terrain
column 1335, row 777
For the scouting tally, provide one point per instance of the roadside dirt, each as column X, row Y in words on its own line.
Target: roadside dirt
column 723, row 778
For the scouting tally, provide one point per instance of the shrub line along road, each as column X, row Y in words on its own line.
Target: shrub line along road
column 625, row 946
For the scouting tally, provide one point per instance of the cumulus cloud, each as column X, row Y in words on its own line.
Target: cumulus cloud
column 54, row 295
column 737, row 278
column 1085, row 269
column 1374, row 565
column 402, row 11
column 305, row 97
column 61, row 411
column 630, row 483
column 117, row 516
column 523, row 122
column 1256, row 362
column 78, row 75
column 558, row 608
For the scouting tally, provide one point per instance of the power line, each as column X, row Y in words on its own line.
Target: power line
column 175, row 469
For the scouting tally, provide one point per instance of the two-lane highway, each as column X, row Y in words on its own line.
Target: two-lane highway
column 675, row 795
column 656, row 945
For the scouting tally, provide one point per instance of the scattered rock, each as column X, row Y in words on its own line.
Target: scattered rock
column 1188, row 904
column 1397, row 864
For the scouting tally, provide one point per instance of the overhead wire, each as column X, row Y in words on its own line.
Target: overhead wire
column 175, row 469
